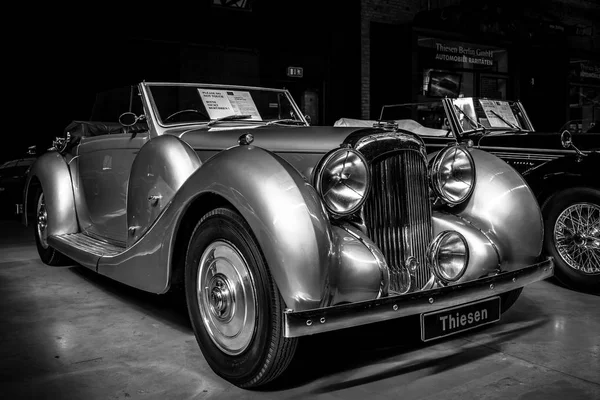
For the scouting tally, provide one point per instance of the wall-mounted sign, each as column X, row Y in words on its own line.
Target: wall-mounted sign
column 464, row 54
column 295, row 72
column 584, row 71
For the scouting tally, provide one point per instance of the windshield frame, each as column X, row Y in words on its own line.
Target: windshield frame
column 459, row 131
column 161, row 127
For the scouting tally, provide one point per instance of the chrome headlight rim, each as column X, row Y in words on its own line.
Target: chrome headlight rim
column 434, row 250
column 435, row 179
column 322, row 168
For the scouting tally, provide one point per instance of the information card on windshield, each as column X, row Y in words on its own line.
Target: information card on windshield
column 496, row 110
column 223, row 103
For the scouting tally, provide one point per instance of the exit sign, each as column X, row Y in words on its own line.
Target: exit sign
column 295, row 72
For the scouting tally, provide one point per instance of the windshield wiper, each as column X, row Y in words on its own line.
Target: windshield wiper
column 477, row 125
column 513, row 126
column 231, row 117
column 286, row 122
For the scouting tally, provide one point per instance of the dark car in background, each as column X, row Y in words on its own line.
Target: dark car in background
column 560, row 167
column 12, row 180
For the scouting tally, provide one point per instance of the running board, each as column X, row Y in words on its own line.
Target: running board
column 84, row 249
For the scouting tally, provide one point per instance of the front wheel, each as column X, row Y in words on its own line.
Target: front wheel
column 572, row 237
column 234, row 306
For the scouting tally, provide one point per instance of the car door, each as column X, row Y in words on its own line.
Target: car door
column 103, row 165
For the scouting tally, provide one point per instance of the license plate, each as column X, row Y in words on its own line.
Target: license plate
column 446, row 322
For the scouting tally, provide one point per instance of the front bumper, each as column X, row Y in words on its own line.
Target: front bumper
column 302, row 323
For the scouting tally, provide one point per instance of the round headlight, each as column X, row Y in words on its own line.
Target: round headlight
column 453, row 175
column 342, row 180
column 448, row 256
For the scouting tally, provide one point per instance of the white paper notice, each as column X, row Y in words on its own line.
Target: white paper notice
column 501, row 108
column 223, row 103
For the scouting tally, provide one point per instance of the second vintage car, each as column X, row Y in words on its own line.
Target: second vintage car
column 277, row 229
column 561, row 169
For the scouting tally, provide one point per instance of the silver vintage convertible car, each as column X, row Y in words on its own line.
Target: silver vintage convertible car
column 277, row 229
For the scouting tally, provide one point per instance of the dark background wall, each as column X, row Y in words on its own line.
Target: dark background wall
column 59, row 59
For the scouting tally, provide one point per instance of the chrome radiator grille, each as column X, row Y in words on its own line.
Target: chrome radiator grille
column 398, row 214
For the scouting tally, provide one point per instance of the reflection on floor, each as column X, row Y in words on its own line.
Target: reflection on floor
column 67, row 333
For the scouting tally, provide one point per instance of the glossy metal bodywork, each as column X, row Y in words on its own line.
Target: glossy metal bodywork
column 505, row 210
column 159, row 170
column 52, row 171
column 484, row 259
column 282, row 209
column 359, row 270
column 316, row 260
column 103, row 170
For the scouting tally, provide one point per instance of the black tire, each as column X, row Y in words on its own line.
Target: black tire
column 48, row 255
column 508, row 299
column 552, row 210
column 266, row 353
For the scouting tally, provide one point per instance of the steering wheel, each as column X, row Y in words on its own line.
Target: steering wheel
column 186, row 111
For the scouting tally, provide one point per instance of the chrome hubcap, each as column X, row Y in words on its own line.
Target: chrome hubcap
column 42, row 222
column 227, row 297
column 577, row 237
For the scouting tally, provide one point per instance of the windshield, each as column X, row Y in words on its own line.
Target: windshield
column 210, row 104
column 478, row 114
column 472, row 114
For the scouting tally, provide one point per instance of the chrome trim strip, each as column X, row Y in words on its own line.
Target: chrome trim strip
column 523, row 156
column 528, row 150
column 302, row 323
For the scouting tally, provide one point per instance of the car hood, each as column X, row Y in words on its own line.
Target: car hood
column 539, row 141
column 304, row 139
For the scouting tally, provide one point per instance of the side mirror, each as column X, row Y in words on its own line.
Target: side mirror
column 567, row 142
column 308, row 118
column 566, row 139
column 128, row 119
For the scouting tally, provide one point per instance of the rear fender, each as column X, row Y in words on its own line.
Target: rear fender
column 52, row 172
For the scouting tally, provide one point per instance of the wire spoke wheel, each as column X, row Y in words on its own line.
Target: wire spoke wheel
column 577, row 237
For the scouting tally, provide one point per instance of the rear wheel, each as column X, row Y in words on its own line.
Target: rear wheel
column 572, row 237
column 48, row 254
column 233, row 303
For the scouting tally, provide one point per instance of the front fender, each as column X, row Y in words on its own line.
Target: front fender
column 283, row 211
column 52, row 171
column 505, row 210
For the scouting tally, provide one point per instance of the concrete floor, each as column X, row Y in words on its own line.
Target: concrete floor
column 67, row 333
